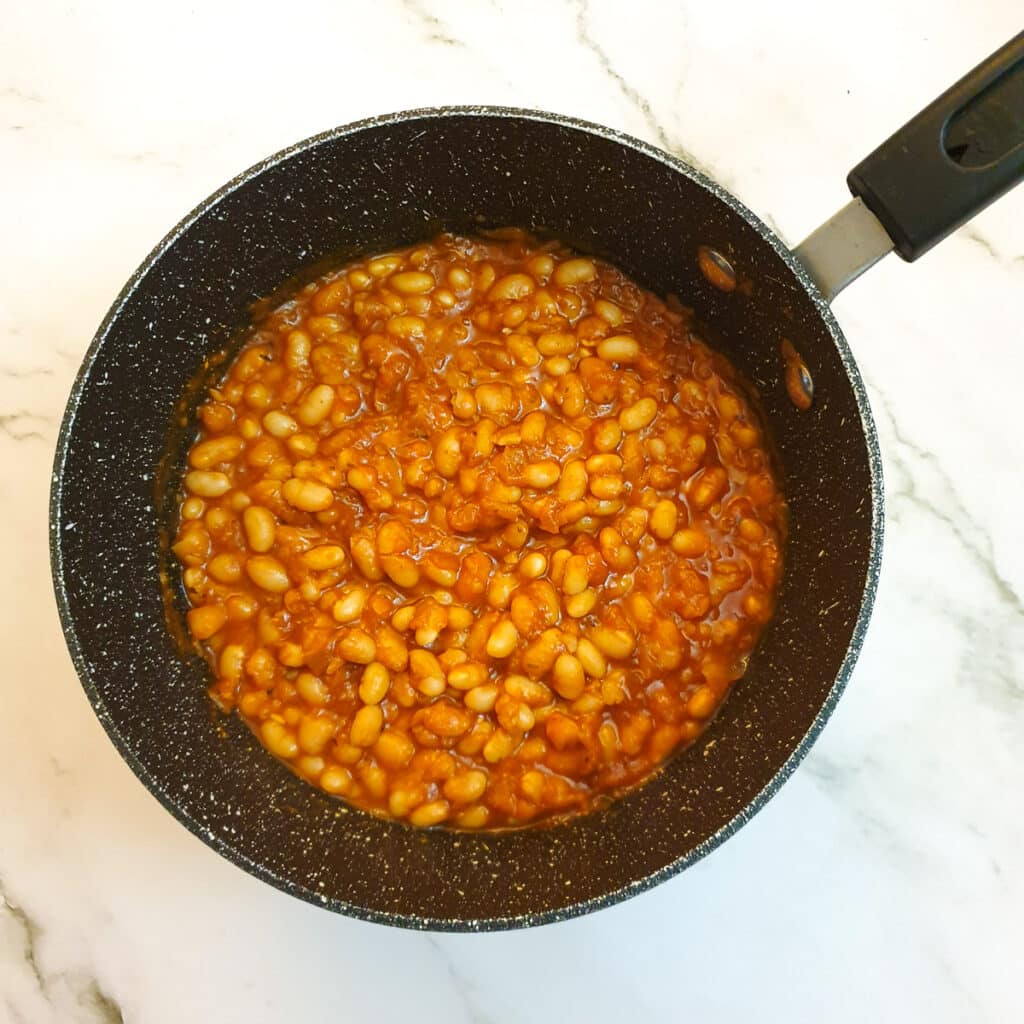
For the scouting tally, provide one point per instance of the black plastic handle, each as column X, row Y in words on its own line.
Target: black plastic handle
column 947, row 164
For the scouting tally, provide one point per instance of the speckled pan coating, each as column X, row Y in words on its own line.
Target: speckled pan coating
column 369, row 187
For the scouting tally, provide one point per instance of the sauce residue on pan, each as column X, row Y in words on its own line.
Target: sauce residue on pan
column 799, row 383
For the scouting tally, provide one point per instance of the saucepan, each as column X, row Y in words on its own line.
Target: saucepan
column 392, row 181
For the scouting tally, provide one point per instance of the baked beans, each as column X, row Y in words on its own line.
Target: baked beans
column 478, row 532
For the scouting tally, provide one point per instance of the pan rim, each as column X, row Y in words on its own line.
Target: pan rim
column 575, row 909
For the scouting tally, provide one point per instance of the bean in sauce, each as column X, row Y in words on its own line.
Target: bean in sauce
column 478, row 533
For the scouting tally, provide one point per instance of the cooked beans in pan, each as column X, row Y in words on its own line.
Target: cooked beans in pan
column 478, row 532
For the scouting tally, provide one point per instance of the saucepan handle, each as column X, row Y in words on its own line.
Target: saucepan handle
column 945, row 165
column 959, row 154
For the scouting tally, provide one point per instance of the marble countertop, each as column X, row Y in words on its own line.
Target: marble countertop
column 886, row 880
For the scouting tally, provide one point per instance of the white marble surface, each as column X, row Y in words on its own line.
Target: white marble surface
column 886, row 881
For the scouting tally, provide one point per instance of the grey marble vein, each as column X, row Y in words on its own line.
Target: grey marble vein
column 972, row 234
column 30, row 932
column 463, row 986
column 435, row 29
column 631, row 94
column 151, row 158
column 17, row 374
column 993, row 632
column 13, row 1014
column 99, row 1006
column 14, row 425
column 970, row 533
column 853, row 784
column 20, row 94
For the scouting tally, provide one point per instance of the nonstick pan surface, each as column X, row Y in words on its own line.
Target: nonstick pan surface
column 372, row 187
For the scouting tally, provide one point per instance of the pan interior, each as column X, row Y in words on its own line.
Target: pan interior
column 373, row 187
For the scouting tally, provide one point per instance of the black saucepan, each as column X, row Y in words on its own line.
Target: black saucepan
column 393, row 181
